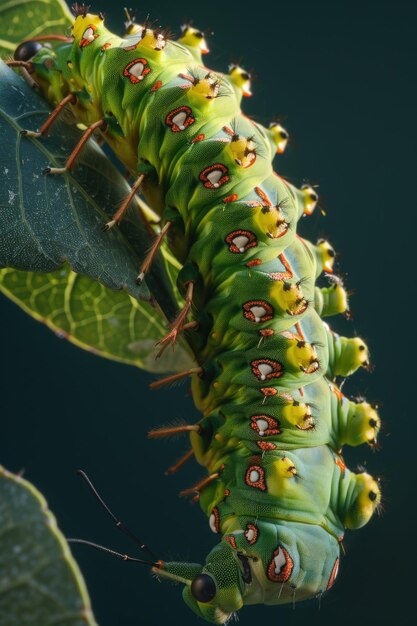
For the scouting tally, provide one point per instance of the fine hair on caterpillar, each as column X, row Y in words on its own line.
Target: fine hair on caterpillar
column 276, row 490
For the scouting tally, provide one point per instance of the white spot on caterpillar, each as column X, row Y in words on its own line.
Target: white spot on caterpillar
column 258, row 312
column 240, row 242
column 262, row 426
column 250, row 534
column 212, row 523
column 88, row 34
column 214, row 177
column 264, row 370
column 179, row 119
column 254, row 476
column 279, row 561
column 136, row 70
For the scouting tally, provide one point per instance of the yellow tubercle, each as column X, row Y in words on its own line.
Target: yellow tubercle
column 193, row 38
column 335, row 299
column 363, row 425
column 207, row 87
column 271, row 221
column 152, row 40
column 368, row 497
column 348, row 354
column 311, row 199
column 288, row 297
column 82, row 23
column 299, row 415
column 326, row 255
column 280, row 473
column 243, row 151
column 302, row 355
column 142, row 38
column 372, row 421
column 360, row 351
column 279, row 136
column 133, row 29
column 241, row 79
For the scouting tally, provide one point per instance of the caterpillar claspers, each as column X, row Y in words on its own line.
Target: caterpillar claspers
column 277, row 491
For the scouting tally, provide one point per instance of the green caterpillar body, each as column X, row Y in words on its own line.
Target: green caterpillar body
column 274, row 419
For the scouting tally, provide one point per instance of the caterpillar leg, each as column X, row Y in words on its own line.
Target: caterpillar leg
column 174, row 430
column 69, row 99
column 200, row 485
column 178, row 325
column 157, row 433
column 26, row 70
column 151, row 254
column 120, row 213
column 70, row 163
column 171, row 379
column 182, row 461
column 28, row 66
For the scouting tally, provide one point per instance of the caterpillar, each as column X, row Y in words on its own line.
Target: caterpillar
column 277, row 490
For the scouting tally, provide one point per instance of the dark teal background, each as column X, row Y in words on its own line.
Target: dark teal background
column 342, row 77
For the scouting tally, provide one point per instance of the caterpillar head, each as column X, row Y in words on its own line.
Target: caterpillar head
column 216, row 591
column 27, row 50
column 272, row 572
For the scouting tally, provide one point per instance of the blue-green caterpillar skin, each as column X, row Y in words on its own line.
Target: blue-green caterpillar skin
column 274, row 420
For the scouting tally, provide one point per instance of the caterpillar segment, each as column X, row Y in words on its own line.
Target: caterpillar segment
column 277, row 491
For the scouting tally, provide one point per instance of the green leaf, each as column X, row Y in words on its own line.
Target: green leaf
column 23, row 19
column 46, row 220
column 40, row 582
column 115, row 326
column 109, row 323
